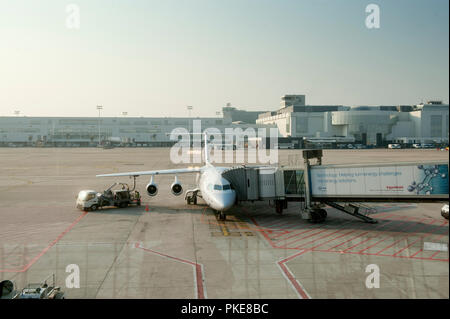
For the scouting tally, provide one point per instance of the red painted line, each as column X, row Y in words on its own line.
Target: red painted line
column 401, row 239
column 313, row 228
column 345, row 235
column 287, row 224
column 26, row 267
column 401, row 217
column 379, row 227
column 421, row 258
column 380, row 241
column 361, row 242
column 327, row 235
column 263, row 233
column 197, row 267
column 373, row 254
column 385, row 248
column 359, row 235
column 386, row 228
column 281, row 226
column 287, row 272
column 415, row 218
column 279, row 222
column 434, row 254
column 440, row 236
column 386, row 215
column 272, row 223
column 420, row 238
column 302, row 238
column 333, row 239
column 403, row 229
column 366, row 240
column 303, row 232
column 379, row 215
column 282, row 233
column 420, row 250
column 297, row 286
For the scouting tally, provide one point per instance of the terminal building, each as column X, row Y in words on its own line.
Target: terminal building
column 368, row 125
column 297, row 123
column 234, row 115
column 89, row 131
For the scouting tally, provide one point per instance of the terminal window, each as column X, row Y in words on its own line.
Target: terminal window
column 436, row 125
column 301, row 125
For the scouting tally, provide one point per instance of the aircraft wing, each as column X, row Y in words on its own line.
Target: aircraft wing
column 158, row 172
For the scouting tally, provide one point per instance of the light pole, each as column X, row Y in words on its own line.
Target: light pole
column 189, row 108
column 99, row 108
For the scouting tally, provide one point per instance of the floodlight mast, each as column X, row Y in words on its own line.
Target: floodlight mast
column 99, row 108
column 189, row 108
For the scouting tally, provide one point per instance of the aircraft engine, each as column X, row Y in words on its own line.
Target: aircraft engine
column 176, row 188
column 152, row 188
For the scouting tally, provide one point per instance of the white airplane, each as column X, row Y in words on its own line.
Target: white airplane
column 215, row 190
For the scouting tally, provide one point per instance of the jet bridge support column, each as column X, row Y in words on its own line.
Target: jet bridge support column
column 307, row 187
column 312, row 211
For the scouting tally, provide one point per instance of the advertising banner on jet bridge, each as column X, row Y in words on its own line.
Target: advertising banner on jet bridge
column 402, row 179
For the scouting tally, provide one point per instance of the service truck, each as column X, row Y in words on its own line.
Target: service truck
column 41, row 290
column 122, row 197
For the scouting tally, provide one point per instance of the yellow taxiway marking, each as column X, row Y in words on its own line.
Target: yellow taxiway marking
column 224, row 230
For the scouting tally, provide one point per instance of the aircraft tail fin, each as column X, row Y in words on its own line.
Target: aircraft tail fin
column 206, row 149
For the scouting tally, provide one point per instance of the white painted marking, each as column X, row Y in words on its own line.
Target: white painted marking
column 435, row 246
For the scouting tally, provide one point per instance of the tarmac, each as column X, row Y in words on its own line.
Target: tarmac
column 167, row 249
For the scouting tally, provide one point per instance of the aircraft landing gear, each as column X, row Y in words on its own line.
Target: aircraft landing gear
column 191, row 200
column 191, row 197
column 221, row 215
column 318, row 215
column 280, row 205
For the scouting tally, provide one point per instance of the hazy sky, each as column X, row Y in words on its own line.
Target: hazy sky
column 153, row 58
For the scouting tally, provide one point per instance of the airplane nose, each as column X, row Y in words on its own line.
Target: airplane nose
column 226, row 201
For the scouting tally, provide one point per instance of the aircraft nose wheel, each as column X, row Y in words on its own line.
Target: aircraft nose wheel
column 222, row 216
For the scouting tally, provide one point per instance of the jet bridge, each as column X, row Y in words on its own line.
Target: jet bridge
column 344, row 187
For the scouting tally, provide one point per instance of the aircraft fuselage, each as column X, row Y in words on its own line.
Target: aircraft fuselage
column 215, row 189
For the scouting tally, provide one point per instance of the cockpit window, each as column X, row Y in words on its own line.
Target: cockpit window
column 219, row 187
